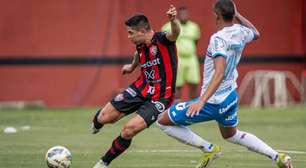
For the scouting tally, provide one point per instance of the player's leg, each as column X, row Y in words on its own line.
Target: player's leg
column 123, row 141
column 228, row 122
column 123, row 104
column 106, row 115
column 228, row 128
column 180, row 79
column 253, row 143
column 193, row 90
column 146, row 116
column 216, row 111
column 174, row 123
column 193, row 76
column 248, row 140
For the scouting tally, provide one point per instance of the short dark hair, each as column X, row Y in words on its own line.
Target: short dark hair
column 138, row 21
column 226, row 9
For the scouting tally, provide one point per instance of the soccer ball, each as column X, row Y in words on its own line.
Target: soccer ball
column 58, row 157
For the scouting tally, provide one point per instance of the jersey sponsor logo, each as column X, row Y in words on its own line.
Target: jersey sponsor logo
column 231, row 117
column 159, row 106
column 119, row 97
column 131, row 92
column 150, row 74
column 151, row 63
column 223, row 110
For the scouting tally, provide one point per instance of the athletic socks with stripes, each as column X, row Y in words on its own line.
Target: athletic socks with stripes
column 119, row 145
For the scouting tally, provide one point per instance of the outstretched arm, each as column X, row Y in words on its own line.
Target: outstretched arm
column 245, row 22
column 129, row 68
column 218, row 76
column 175, row 27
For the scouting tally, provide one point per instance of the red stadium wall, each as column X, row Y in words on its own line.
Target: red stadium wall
column 78, row 28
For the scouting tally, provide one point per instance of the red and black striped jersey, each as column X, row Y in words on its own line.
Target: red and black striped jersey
column 158, row 62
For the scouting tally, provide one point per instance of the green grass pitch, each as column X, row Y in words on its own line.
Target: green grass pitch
column 283, row 129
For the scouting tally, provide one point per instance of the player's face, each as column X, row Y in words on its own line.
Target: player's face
column 137, row 37
column 183, row 16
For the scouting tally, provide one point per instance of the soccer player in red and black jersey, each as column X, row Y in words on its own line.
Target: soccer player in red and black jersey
column 151, row 93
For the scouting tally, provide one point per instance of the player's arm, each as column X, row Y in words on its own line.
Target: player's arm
column 129, row 68
column 174, row 25
column 245, row 22
column 218, row 76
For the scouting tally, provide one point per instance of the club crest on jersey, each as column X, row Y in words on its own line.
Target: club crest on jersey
column 159, row 106
column 219, row 43
column 119, row 97
column 153, row 50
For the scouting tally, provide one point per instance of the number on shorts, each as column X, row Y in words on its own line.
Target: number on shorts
column 180, row 106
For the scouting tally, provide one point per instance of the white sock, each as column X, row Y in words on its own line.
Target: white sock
column 253, row 143
column 186, row 136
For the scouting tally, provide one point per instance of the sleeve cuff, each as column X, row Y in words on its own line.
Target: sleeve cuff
column 218, row 54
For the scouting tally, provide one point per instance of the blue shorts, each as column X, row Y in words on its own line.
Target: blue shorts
column 224, row 113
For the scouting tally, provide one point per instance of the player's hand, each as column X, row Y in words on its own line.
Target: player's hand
column 126, row 69
column 194, row 109
column 171, row 13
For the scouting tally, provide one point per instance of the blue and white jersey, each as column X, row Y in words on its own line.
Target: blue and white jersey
column 228, row 43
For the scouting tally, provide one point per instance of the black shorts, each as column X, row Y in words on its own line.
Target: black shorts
column 129, row 101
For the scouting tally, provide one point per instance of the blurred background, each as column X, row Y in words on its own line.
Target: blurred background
column 70, row 52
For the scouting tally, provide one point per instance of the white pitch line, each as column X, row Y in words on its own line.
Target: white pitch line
column 194, row 151
column 292, row 151
column 164, row 151
column 171, row 165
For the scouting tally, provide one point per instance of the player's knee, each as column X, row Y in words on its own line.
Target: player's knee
column 228, row 135
column 228, row 132
column 128, row 131
column 105, row 118
column 160, row 122
column 234, row 137
column 164, row 120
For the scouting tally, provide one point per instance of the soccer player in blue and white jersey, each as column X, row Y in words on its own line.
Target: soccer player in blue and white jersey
column 219, row 99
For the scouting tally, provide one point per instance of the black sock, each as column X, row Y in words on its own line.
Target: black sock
column 119, row 146
column 95, row 121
